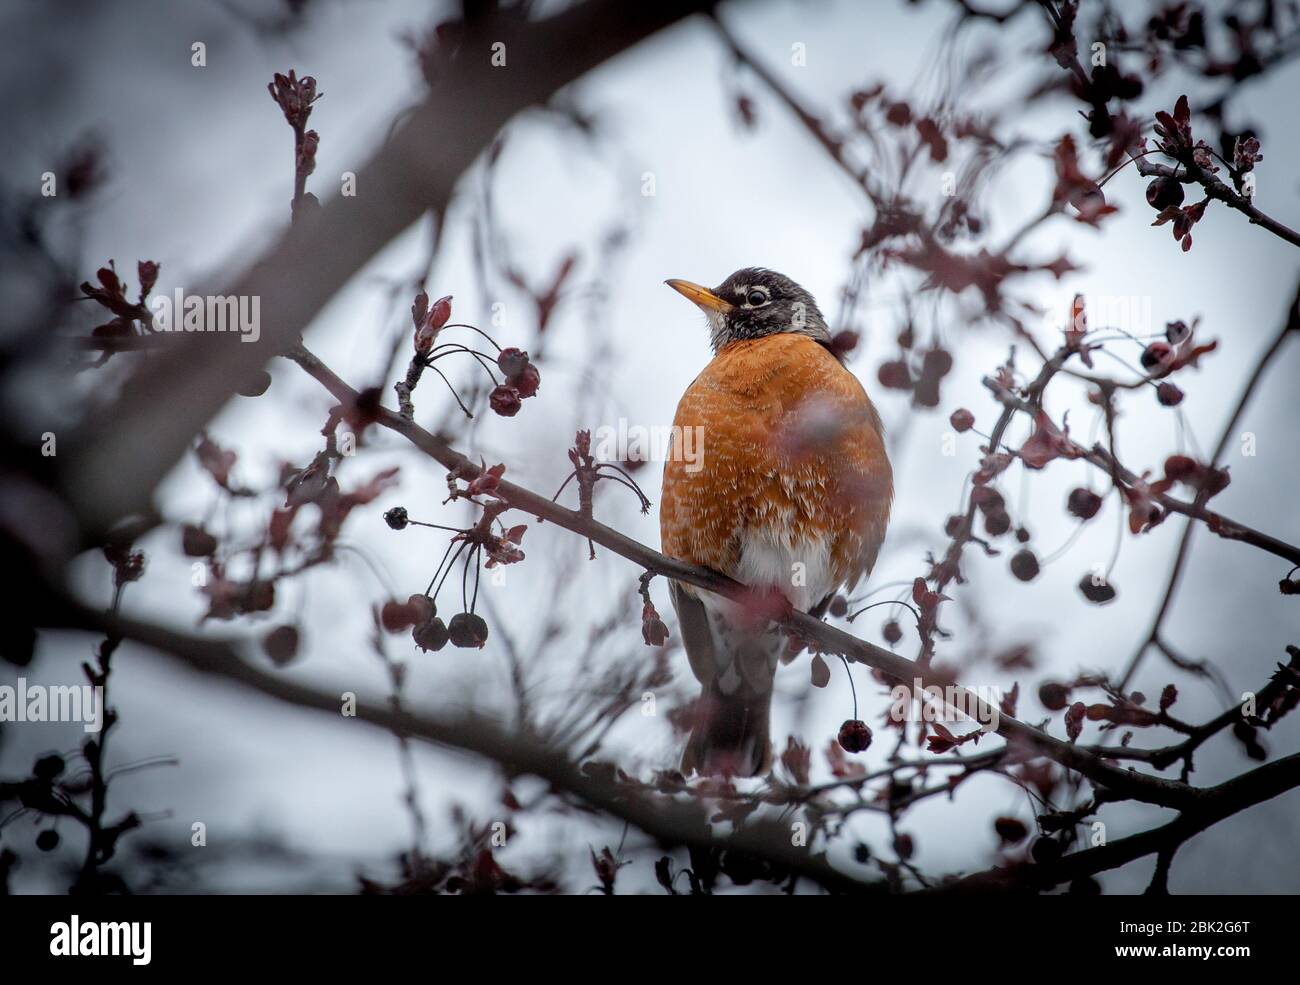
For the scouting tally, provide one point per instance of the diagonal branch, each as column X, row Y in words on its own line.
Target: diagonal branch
column 1220, row 191
column 1119, row 783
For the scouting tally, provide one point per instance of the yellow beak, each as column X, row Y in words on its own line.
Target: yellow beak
column 700, row 295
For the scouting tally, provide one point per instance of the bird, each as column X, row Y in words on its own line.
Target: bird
column 788, row 492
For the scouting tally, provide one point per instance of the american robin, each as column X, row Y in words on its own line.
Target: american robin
column 789, row 493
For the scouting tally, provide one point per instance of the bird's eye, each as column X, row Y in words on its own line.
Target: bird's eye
column 756, row 298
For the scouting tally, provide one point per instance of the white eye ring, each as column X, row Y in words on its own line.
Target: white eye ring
column 756, row 297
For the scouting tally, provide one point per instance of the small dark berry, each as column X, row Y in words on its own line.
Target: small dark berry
column 843, row 342
column 936, row 363
column 526, row 381
column 421, row 607
column 431, row 635
column 260, row 596
column 854, row 736
column 1083, row 503
column 47, row 840
column 505, row 401
column 512, row 361
column 819, row 671
column 894, row 375
column 892, row 632
column 1010, row 829
column 281, row 644
column 397, row 518
column 988, row 499
column 997, row 523
column 839, row 607
column 962, row 420
column 396, row 616
column 256, row 385
column 1094, row 591
column 1053, row 696
column 1024, row 565
column 1164, row 192
column 467, row 630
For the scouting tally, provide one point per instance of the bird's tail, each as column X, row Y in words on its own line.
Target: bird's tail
column 730, row 734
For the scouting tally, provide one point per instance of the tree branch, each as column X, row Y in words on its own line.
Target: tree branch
column 1220, row 191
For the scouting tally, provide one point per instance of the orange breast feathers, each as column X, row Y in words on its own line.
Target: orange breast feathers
column 789, row 462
